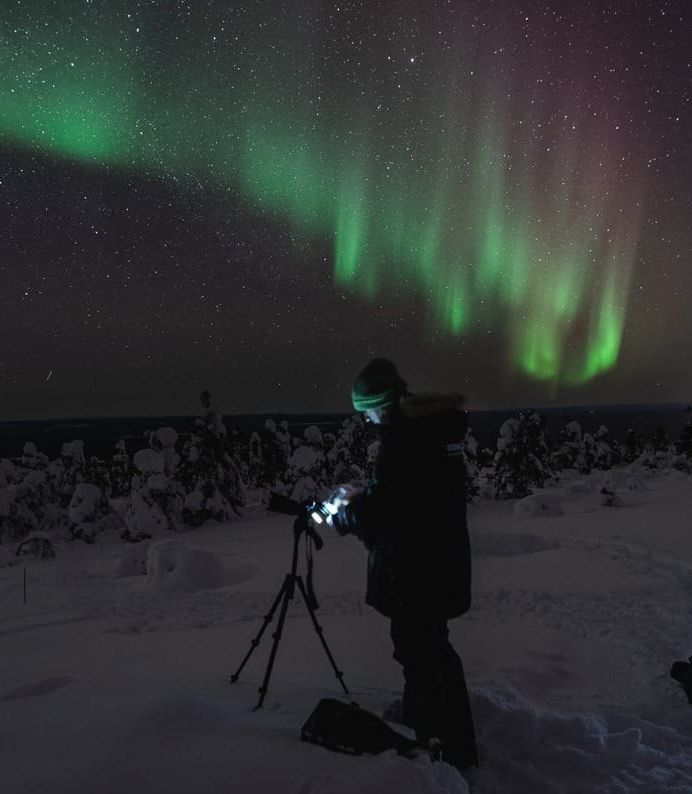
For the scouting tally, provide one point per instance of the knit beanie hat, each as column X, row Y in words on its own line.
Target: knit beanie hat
column 378, row 385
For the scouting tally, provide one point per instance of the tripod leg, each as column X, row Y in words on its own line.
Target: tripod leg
column 287, row 596
column 267, row 620
column 320, row 634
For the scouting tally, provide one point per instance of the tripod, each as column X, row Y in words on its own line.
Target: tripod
column 300, row 526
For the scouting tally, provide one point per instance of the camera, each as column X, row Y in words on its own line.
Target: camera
column 319, row 512
column 322, row 511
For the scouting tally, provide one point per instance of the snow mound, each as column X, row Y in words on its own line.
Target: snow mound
column 526, row 749
column 615, row 479
column 578, row 488
column 133, row 562
column 538, row 505
column 175, row 568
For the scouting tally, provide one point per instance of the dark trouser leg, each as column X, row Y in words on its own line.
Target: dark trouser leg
column 459, row 736
column 436, row 701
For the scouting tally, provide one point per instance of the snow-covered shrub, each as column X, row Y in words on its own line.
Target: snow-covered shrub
column 610, row 498
column 615, row 479
column 652, row 459
column 522, row 460
column 38, row 546
column 209, row 474
column 682, row 463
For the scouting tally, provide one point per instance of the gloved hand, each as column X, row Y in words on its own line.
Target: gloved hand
column 346, row 493
column 340, row 497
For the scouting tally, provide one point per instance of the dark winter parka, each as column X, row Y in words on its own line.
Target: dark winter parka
column 412, row 516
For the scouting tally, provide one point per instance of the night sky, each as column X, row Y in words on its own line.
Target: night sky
column 257, row 197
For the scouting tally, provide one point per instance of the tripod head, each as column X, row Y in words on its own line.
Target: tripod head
column 302, row 511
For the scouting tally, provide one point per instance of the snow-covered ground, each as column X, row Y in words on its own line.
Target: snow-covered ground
column 115, row 681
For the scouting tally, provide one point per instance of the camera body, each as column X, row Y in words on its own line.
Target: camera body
column 319, row 512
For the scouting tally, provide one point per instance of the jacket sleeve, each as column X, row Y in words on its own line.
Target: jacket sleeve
column 369, row 514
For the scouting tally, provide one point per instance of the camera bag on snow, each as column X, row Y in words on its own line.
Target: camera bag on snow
column 348, row 728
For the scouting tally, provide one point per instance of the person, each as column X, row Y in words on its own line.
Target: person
column 412, row 519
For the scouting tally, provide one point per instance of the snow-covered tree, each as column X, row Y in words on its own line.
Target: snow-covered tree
column 32, row 458
column 683, row 445
column 97, row 472
column 681, row 457
column 522, row 460
column 253, row 470
column 306, row 475
column 606, row 452
column 67, row 471
column 156, row 497
column 9, row 473
column 265, row 458
column 584, row 451
column 659, row 440
column 471, row 465
column 89, row 512
column 26, row 502
column 570, row 453
column 314, row 438
column 347, row 458
column 16, row 519
column 121, row 471
column 209, row 474
column 634, row 446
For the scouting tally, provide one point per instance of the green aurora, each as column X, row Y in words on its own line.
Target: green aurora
column 455, row 198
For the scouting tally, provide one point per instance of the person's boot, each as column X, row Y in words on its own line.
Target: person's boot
column 431, row 748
